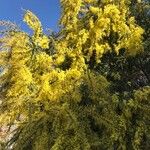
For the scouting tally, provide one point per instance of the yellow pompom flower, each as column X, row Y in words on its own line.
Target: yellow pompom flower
column 38, row 38
column 42, row 41
column 33, row 22
column 94, row 10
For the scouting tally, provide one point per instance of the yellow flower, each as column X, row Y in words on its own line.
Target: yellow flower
column 89, row 1
column 42, row 42
column 94, row 10
column 33, row 22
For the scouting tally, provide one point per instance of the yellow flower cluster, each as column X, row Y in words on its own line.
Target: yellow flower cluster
column 71, row 9
column 100, row 30
column 33, row 22
column 42, row 41
column 94, row 10
column 49, row 78
column 89, row 1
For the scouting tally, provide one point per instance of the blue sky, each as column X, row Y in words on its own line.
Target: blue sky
column 48, row 11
